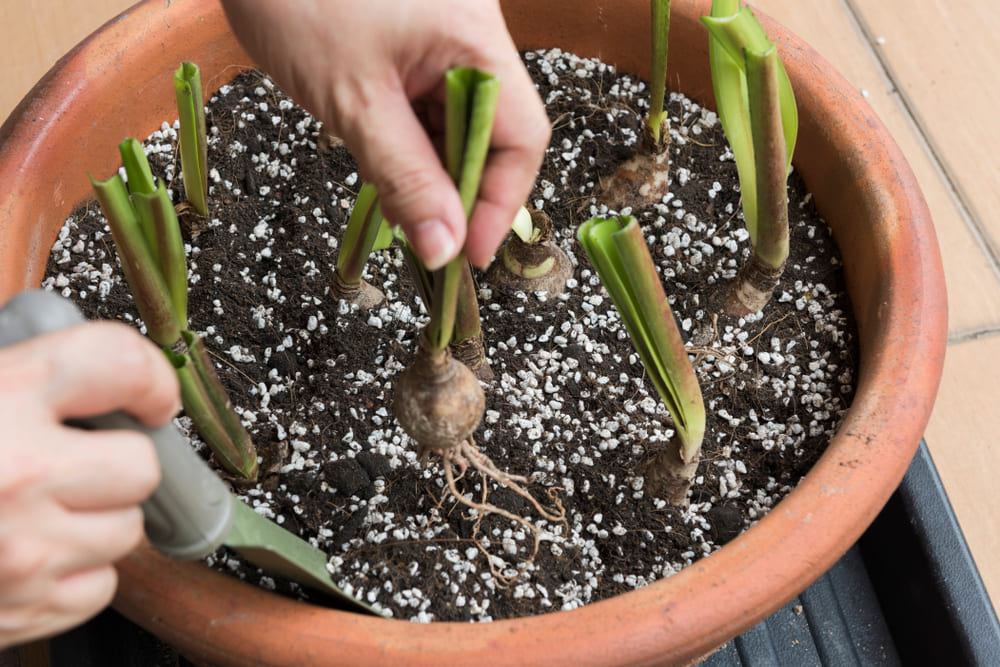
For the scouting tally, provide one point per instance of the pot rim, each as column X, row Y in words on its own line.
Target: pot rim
column 895, row 279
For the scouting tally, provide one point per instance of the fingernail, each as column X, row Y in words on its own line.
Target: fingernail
column 435, row 243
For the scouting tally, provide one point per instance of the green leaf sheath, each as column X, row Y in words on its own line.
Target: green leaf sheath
column 660, row 24
column 731, row 30
column 193, row 139
column 140, row 176
column 729, row 86
column 140, row 182
column 148, row 287
column 470, row 105
column 444, row 302
column 166, row 243
column 467, row 320
column 235, row 443
column 207, row 420
column 421, row 276
column 385, row 236
column 623, row 262
column 769, row 149
column 459, row 89
column 477, row 142
column 359, row 238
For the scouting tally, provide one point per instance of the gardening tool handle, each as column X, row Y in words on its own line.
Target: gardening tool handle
column 191, row 512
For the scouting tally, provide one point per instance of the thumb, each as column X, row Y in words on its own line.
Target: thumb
column 415, row 192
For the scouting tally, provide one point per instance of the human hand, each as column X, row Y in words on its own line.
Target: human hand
column 374, row 75
column 69, row 498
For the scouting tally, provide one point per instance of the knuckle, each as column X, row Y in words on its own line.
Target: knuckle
column 23, row 471
column 128, row 534
column 21, row 560
column 134, row 360
column 405, row 191
column 145, row 472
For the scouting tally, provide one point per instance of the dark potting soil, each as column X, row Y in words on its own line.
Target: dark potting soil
column 570, row 406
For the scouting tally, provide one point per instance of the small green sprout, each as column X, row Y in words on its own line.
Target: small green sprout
column 758, row 113
column 530, row 260
column 148, row 240
column 642, row 180
column 193, row 138
column 523, row 227
column 660, row 24
column 618, row 251
column 364, row 228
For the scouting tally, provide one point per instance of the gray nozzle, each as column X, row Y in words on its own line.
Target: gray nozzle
column 191, row 512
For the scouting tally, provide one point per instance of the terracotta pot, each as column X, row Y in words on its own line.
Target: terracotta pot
column 118, row 83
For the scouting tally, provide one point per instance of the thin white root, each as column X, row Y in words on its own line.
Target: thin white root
column 467, row 455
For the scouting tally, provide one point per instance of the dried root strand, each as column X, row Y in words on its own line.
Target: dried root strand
column 466, row 455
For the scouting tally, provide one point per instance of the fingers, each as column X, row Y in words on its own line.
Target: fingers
column 90, row 540
column 95, row 369
column 521, row 134
column 55, row 566
column 415, row 191
column 61, row 543
column 100, row 470
column 67, row 603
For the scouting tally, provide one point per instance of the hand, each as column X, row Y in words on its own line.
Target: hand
column 68, row 497
column 373, row 74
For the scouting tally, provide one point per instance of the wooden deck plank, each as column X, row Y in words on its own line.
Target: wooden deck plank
column 943, row 56
column 36, row 34
column 962, row 439
column 973, row 282
column 960, row 434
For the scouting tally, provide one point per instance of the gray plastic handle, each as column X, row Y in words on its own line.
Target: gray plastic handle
column 191, row 512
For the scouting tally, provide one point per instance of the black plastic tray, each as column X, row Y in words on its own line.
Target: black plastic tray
column 908, row 593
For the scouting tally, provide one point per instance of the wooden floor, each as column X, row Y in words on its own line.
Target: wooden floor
column 914, row 73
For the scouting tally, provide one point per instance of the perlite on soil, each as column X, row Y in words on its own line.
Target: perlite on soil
column 570, row 406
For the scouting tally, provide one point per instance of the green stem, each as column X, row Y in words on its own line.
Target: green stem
column 359, row 237
column 152, row 297
column 770, row 156
column 140, row 176
column 233, row 443
column 166, row 243
column 731, row 30
column 660, row 23
column 444, row 301
column 470, row 106
column 421, row 276
column 193, row 137
column 626, row 269
column 467, row 321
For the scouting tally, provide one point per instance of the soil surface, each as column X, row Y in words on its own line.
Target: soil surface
column 570, row 406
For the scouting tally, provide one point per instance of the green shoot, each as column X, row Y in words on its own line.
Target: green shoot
column 470, row 104
column 193, row 139
column 770, row 155
column 619, row 253
column 140, row 176
column 731, row 31
column 523, row 226
column 159, row 224
column 758, row 113
column 152, row 297
column 359, row 238
column 530, row 260
column 660, row 23
column 365, row 228
column 148, row 240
